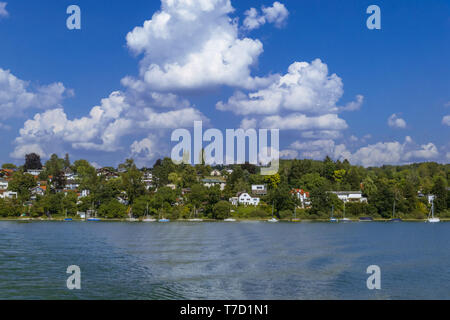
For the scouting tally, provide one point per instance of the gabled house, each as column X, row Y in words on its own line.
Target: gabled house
column 38, row 191
column 245, row 199
column 303, row 196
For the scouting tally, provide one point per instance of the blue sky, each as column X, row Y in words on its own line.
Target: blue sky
column 51, row 78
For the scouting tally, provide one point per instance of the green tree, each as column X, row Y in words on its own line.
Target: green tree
column 22, row 183
column 9, row 166
column 32, row 161
column 440, row 192
column 282, row 199
column 132, row 181
column 221, row 210
column 273, row 180
column 112, row 209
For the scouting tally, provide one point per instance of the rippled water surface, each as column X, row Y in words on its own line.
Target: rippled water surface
column 246, row 260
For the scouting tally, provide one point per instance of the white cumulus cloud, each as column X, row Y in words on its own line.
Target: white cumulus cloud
column 446, row 120
column 327, row 122
column 3, row 12
column 17, row 95
column 193, row 44
column 276, row 14
column 307, row 87
column 395, row 122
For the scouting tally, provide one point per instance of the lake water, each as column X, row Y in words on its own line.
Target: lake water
column 245, row 260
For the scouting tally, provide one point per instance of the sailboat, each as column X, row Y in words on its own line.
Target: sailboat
column 393, row 215
column 195, row 215
column 94, row 219
column 344, row 219
column 147, row 217
column 333, row 219
column 295, row 215
column 230, row 219
column 67, row 219
column 163, row 220
column 131, row 217
column 433, row 219
column 273, row 218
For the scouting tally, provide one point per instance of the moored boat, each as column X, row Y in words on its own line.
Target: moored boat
column 431, row 217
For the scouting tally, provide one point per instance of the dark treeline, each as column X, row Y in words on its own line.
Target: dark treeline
column 177, row 191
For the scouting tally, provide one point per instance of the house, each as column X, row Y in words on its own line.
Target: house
column 215, row 173
column 108, row 173
column 68, row 173
column 430, row 198
column 38, row 191
column 34, row 172
column 147, row 179
column 171, row 186
column 229, row 171
column 259, row 189
column 8, row 194
column 7, row 172
column 83, row 194
column 185, row 191
column 82, row 215
column 71, row 185
column 350, row 196
column 234, row 201
column 245, row 199
column 214, row 182
column 3, row 184
column 303, row 196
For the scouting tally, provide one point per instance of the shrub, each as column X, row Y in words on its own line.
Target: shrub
column 112, row 209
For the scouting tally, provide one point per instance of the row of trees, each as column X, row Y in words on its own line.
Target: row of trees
column 382, row 186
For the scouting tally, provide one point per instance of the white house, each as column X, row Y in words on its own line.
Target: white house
column 215, row 173
column 34, row 172
column 303, row 196
column 3, row 184
column 234, row 201
column 147, row 179
column 171, row 186
column 84, row 193
column 8, row 194
column 259, row 189
column 214, row 182
column 350, row 196
column 246, row 199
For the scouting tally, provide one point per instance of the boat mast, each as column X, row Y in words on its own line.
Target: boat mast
column 393, row 210
column 344, row 209
column 432, row 208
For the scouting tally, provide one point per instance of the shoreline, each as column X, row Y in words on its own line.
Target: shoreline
column 208, row 220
